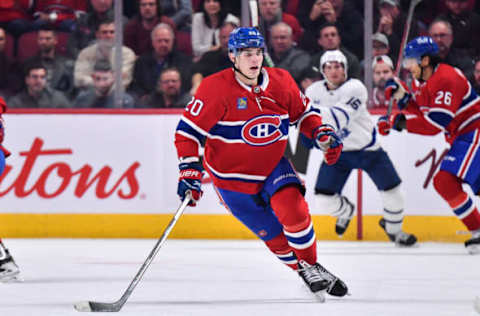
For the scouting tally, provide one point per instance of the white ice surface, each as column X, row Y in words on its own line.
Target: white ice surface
column 238, row 278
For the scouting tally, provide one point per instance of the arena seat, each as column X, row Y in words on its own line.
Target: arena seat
column 10, row 45
column 184, row 42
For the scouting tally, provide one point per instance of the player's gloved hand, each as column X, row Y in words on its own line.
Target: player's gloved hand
column 396, row 89
column 190, row 179
column 383, row 125
column 328, row 141
column 396, row 121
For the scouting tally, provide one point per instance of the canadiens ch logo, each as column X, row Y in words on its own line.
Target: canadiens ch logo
column 262, row 130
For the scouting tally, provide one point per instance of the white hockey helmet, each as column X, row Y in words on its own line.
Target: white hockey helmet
column 333, row 56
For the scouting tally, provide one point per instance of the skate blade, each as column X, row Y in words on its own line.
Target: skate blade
column 16, row 278
column 473, row 249
column 320, row 296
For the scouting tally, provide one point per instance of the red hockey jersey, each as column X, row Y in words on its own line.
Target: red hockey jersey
column 445, row 102
column 244, row 129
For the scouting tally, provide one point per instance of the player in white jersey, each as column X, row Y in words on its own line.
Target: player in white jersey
column 342, row 103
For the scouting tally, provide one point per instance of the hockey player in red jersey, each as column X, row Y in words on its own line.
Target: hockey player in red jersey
column 443, row 101
column 241, row 116
column 8, row 268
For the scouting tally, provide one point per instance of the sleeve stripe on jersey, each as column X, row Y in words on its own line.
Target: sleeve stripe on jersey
column 194, row 126
column 347, row 117
column 469, row 100
column 194, row 131
column 335, row 118
column 469, row 120
column 309, row 112
column 439, row 118
column 234, row 176
column 186, row 135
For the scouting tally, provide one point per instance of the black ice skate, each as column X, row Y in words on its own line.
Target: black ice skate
column 312, row 277
column 402, row 239
column 343, row 220
column 9, row 270
column 336, row 286
column 473, row 244
column 319, row 280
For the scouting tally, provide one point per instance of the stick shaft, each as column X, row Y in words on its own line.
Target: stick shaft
column 406, row 32
column 116, row 306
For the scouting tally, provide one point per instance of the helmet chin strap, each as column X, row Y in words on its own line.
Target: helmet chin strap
column 244, row 75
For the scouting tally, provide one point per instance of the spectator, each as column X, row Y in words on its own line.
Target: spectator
column 380, row 44
column 102, row 50
column 391, row 22
column 213, row 61
column 62, row 14
column 163, row 55
column 476, row 76
column 441, row 32
column 84, row 33
column 465, row 25
column 167, row 93
column 101, row 95
column 382, row 71
column 10, row 81
column 16, row 16
column 314, row 13
column 329, row 39
column 59, row 68
column 271, row 13
column 206, row 26
column 180, row 11
column 36, row 93
column 284, row 54
column 138, row 29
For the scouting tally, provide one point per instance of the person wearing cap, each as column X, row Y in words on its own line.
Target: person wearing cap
column 380, row 44
column 391, row 22
column 382, row 71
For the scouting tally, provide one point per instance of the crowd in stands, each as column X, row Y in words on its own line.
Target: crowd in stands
column 61, row 53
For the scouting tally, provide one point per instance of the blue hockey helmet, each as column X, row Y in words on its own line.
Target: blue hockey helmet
column 245, row 37
column 419, row 47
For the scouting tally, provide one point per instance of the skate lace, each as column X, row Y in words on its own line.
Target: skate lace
column 310, row 273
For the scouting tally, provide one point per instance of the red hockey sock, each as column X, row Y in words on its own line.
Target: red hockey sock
column 280, row 247
column 450, row 188
column 291, row 210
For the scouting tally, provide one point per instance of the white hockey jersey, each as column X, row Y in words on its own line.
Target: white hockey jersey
column 345, row 108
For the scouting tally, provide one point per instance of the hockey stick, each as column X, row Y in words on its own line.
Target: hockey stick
column 411, row 9
column 254, row 16
column 90, row 306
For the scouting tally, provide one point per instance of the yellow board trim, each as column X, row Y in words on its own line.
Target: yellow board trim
column 207, row 226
